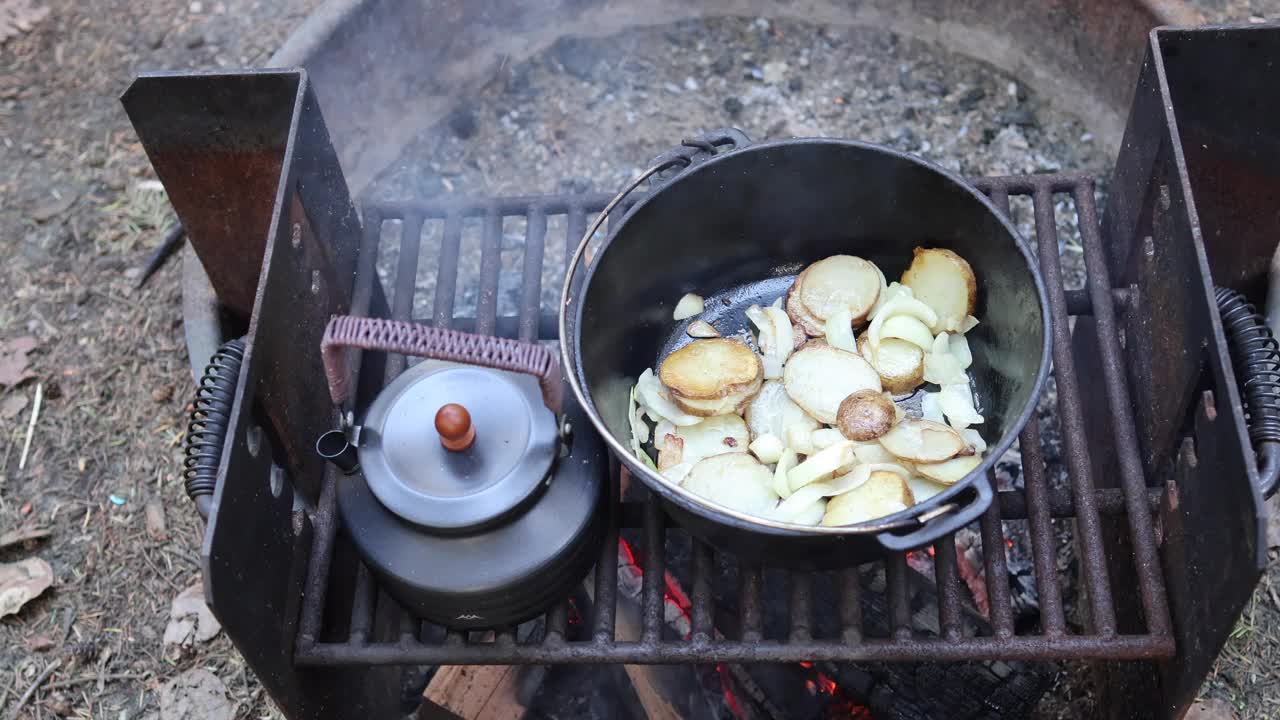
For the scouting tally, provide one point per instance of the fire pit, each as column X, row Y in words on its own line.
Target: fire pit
column 1135, row 527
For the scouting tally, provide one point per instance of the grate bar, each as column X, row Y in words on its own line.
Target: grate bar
column 996, row 571
column 1089, row 534
column 362, row 606
column 653, row 582
column 750, row 587
column 899, row 601
column 801, row 606
column 1052, row 619
column 490, row 264
column 947, row 574
column 1118, row 647
column 850, row 606
column 406, row 277
column 1150, row 581
column 700, row 596
column 447, row 277
column 531, row 278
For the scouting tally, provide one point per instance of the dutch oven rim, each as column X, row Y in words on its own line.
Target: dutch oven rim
column 917, row 515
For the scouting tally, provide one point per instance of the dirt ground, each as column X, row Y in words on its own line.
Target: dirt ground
column 77, row 219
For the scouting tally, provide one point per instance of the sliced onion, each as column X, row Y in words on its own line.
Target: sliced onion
column 811, row 515
column 958, row 346
column 657, row 405
column 767, row 448
column 839, row 331
column 943, row 369
column 800, row 439
column 764, row 328
column 975, row 440
column 677, row 473
column 929, row 409
column 821, row 463
column 907, row 328
column 772, row 367
column 688, row 306
column 956, row 402
column 901, row 305
column 823, row 438
column 786, row 463
column 893, row 291
column 702, row 329
column 639, row 429
column 970, row 322
column 783, row 333
column 801, row 499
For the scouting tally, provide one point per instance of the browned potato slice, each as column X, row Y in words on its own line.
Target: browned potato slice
column 924, row 441
column 900, row 363
column 818, row 377
column 710, row 369
column 799, row 314
column 950, row 472
column 840, row 282
column 735, row 480
column 865, row 415
column 884, row 493
column 709, row 407
column 944, row 281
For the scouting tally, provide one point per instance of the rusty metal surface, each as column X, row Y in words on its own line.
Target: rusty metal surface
column 249, row 167
column 801, row 639
column 1193, row 203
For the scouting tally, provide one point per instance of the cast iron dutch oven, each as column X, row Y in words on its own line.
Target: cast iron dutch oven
column 734, row 222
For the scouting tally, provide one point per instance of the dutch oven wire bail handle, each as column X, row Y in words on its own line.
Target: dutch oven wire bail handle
column 409, row 338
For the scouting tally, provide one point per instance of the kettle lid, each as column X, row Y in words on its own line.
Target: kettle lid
column 501, row 457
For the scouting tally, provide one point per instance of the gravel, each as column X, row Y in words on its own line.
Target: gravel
column 592, row 112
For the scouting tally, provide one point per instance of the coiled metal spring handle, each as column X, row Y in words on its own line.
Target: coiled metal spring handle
column 1256, row 358
column 207, row 426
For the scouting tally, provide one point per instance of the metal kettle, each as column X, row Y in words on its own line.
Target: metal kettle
column 467, row 494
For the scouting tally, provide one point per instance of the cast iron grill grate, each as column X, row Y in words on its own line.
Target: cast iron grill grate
column 945, row 636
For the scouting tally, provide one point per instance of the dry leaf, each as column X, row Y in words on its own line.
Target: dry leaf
column 156, row 525
column 12, row 405
column 13, row 353
column 22, row 581
column 196, row 694
column 19, row 16
column 23, row 534
column 190, row 620
column 1272, row 509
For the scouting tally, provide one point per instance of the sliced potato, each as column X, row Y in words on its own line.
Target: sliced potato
column 899, row 363
column 884, row 493
column 811, row 515
column 709, row 369
column 688, row 306
column 871, row 452
column 797, row 503
column 773, row 412
column 944, row 281
column 819, row 377
column 909, row 329
column 923, row 488
column 713, row 436
column 924, row 441
column 799, row 314
column 670, row 450
column 840, row 282
column 950, row 472
column 657, row 402
column 735, row 480
column 865, row 415
column 718, row 406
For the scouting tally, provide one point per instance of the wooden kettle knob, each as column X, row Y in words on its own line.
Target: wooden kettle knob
column 453, row 422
